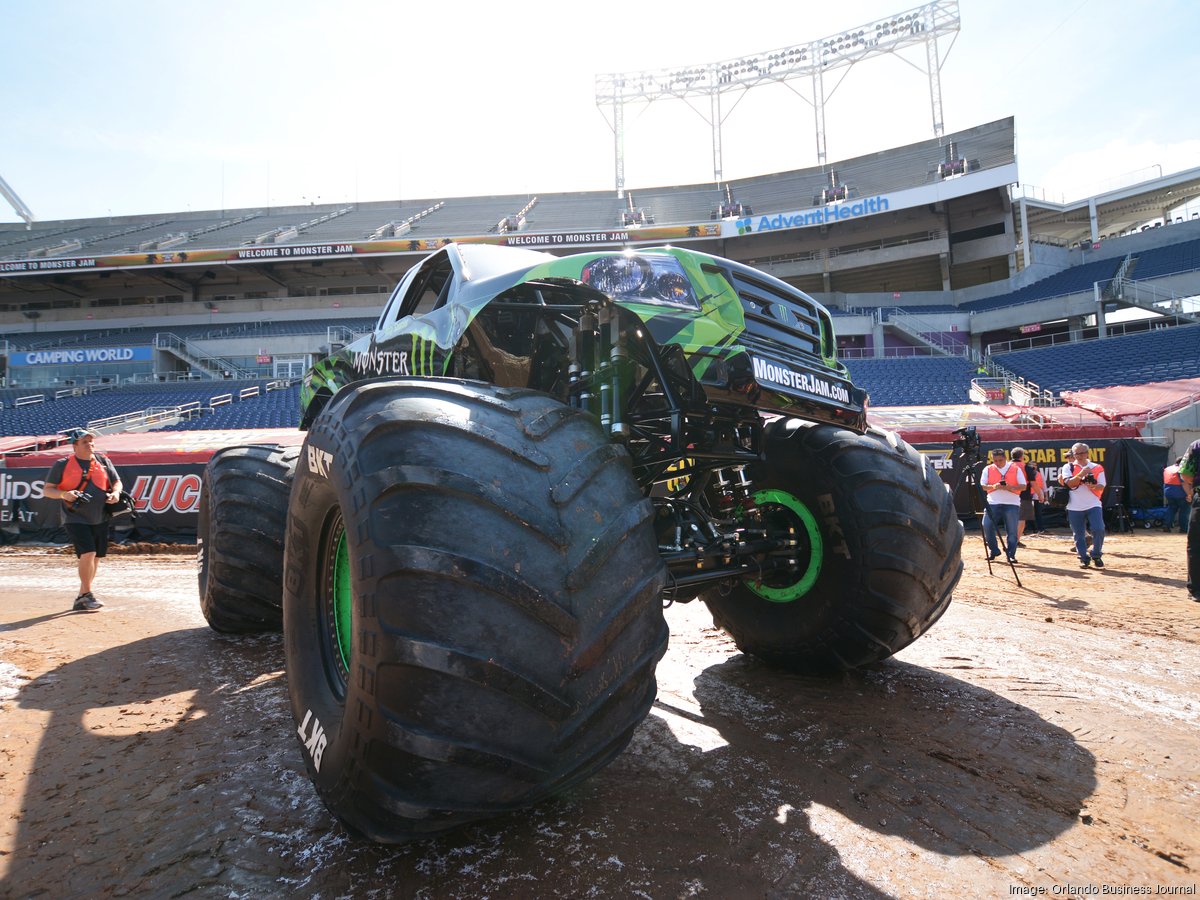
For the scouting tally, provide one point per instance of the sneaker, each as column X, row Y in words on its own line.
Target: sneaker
column 86, row 603
column 1098, row 561
column 992, row 556
column 1084, row 563
column 1021, row 545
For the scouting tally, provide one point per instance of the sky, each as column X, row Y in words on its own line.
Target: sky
column 136, row 108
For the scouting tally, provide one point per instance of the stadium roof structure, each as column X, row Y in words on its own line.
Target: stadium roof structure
column 1114, row 212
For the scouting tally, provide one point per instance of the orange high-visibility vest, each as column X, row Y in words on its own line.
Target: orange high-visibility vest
column 73, row 480
column 1004, row 476
column 1097, row 469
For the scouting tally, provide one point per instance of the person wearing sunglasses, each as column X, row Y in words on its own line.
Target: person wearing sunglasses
column 1084, row 509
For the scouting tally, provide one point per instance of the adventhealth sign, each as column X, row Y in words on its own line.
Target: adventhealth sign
column 856, row 208
column 835, row 212
column 76, row 357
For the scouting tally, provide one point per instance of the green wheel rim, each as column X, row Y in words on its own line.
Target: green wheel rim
column 808, row 577
column 343, row 599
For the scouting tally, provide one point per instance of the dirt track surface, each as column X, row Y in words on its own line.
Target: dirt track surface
column 1045, row 736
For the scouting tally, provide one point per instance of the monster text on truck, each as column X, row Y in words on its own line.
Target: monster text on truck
column 502, row 487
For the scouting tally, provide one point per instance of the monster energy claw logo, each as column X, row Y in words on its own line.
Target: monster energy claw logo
column 423, row 357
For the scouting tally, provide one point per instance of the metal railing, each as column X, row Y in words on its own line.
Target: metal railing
column 214, row 366
column 923, row 331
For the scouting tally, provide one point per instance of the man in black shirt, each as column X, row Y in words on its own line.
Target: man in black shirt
column 84, row 482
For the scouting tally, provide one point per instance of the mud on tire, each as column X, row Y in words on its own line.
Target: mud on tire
column 239, row 537
column 879, row 550
column 472, row 612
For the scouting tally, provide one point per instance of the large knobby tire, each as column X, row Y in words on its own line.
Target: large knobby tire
column 239, row 537
column 879, row 550
column 472, row 611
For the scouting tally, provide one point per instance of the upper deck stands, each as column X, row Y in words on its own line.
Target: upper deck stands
column 1164, row 354
column 1075, row 280
column 1172, row 259
column 590, row 211
column 890, row 170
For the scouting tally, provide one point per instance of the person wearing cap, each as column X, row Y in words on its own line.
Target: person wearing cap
column 84, row 482
column 1002, row 481
column 1084, row 509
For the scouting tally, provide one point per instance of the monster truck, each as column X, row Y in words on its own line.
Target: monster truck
column 502, row 487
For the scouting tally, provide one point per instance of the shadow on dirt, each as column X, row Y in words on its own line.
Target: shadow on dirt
column 155, row 758
column 773, row 784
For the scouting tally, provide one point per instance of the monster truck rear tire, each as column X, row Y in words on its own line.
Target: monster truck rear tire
column 879, row 550
column 239, row 537
column 472, row 612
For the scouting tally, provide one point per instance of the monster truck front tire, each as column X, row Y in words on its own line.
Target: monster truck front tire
column 878, row 550
column 239, row 537
column 472, row 612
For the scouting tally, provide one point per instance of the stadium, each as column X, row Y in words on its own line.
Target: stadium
column 590, row 542
column 959, row 299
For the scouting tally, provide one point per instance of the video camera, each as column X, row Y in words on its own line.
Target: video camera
column 968, row 443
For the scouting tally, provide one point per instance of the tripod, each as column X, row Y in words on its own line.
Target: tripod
column 969, row 475
column 1122, row 523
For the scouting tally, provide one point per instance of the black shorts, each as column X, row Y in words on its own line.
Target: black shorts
column 89, row 538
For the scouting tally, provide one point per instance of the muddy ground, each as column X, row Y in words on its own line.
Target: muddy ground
column 1042, row 736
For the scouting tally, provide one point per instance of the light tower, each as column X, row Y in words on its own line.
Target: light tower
column 812, row 60
column 17, row 204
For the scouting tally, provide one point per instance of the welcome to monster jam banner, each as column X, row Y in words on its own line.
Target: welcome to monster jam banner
column 1132, row 467
column 582, row 238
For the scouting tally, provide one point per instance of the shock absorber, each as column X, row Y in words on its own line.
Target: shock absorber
column 617, row 363
column 744, row 490
column 585, row 354
column 725, row 502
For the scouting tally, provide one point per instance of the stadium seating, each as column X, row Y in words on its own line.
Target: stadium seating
column 1074, row 280
column 52, row 416
column 913, row 380
column 574, row 212
column 469, row 215
column 274, row 409
column 1164, row 354
column 676, row 205
column 1169, row 260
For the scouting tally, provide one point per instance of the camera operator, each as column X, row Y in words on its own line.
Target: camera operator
column 84, row 482
column 1003, row 481
column 1084, row 510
